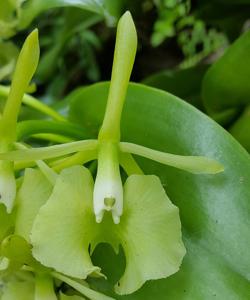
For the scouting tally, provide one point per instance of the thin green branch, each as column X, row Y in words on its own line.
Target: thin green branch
column 91, row 294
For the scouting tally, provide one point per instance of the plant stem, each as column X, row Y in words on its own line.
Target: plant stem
column 91, row 294
column 44, row 287
column 129, row 164
column 124, row 56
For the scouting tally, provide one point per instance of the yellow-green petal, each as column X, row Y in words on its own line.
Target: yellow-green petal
column 7, row 185
column 33, row 193
column 149, row 232
column 62, row 229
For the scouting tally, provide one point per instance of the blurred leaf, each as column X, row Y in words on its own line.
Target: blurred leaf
column 8, row 57
column 75, row 21
column 224, row 15
column 236, row 2
column 225, row 87
column 169, row 12
column 214, row 209
column 241, row 128
column 34, row 7
column 184, row 83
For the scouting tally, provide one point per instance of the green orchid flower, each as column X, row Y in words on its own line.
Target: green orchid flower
column 22, row 276
column 81, row 213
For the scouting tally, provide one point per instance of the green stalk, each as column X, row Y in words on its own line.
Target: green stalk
column 129, row 165
column 91, row 294
column 44, row 287
column 45, row 169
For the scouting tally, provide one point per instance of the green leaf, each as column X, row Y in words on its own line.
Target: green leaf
column 7, row 22
column 30, row 127
column 214, row 209
column 240, row 129
column 34, row 192
column 149, row 222
column 185, row 84
column 225, row 86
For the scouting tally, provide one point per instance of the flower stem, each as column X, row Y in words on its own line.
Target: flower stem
column 124, row 56
column 44, row 287
column 91, row 294
column 129, row 164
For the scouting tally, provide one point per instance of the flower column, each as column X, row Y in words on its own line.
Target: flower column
column 108, row 190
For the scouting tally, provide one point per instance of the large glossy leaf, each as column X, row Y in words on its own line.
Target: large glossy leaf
column 214, row 209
